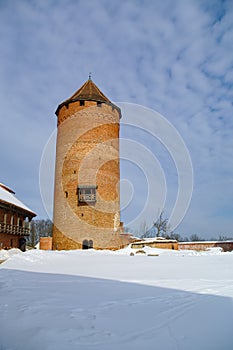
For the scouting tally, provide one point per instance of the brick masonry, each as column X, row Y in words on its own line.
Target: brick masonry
column 226, row 246
column 46, row 243
column 87, row 153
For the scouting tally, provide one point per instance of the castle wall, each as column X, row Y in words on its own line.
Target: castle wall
column 202, row 246
column 166, row 244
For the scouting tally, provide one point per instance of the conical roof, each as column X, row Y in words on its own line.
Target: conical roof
column 87, row 92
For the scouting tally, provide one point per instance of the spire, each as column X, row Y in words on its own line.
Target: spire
column 89, row 76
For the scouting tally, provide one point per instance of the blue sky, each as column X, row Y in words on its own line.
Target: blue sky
column 174, row 57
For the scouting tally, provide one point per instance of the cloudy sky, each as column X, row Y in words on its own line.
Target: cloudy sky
column 174, row 57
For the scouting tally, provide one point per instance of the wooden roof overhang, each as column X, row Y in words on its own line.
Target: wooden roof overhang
column 15, row 209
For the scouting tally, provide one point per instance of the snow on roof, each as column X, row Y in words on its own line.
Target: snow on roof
column 7, row 195
column 204, row 242
column 7, row 188
column 155, row 240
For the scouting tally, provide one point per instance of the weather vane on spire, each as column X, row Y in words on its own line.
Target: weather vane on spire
column 89, row 75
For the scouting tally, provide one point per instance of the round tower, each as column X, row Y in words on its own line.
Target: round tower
column 87, row 173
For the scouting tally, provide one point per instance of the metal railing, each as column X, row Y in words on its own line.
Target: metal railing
column 14, row 229
column 87, row 197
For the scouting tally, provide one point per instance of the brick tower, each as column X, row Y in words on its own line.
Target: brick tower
column 86, row 193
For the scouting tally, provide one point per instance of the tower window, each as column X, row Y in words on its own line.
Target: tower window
column 66, row 194
column 82, row 103
column 99, row 104
column 87, row 194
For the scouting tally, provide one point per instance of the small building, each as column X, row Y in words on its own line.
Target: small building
column 15, row 220
column 156, row 242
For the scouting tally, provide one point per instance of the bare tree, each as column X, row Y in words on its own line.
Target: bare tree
column 224, row 238
column 195, row 238
column 143, row 230
column 39, row 228
column 161, row 226
column 175, row 236
column 34, row 237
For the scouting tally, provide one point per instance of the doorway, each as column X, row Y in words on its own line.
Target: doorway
column 22, row 244
column 87, row 244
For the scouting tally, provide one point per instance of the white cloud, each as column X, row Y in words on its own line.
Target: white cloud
column 174, row 57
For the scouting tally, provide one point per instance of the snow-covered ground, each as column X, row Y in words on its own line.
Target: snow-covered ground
column 111, row 300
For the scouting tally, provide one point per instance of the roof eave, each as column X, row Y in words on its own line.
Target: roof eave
column 32, row 214
column 67, row 102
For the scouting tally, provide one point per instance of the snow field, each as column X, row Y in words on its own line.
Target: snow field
column 110, row 300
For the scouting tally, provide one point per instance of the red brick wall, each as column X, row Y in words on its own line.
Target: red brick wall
column 87, row 153
column 46, row 243
column 161, row 245
column 226, row 246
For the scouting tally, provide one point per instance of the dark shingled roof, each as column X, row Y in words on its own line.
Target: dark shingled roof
column 87, row 92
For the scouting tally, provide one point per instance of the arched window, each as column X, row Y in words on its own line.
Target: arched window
column 85, row 244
